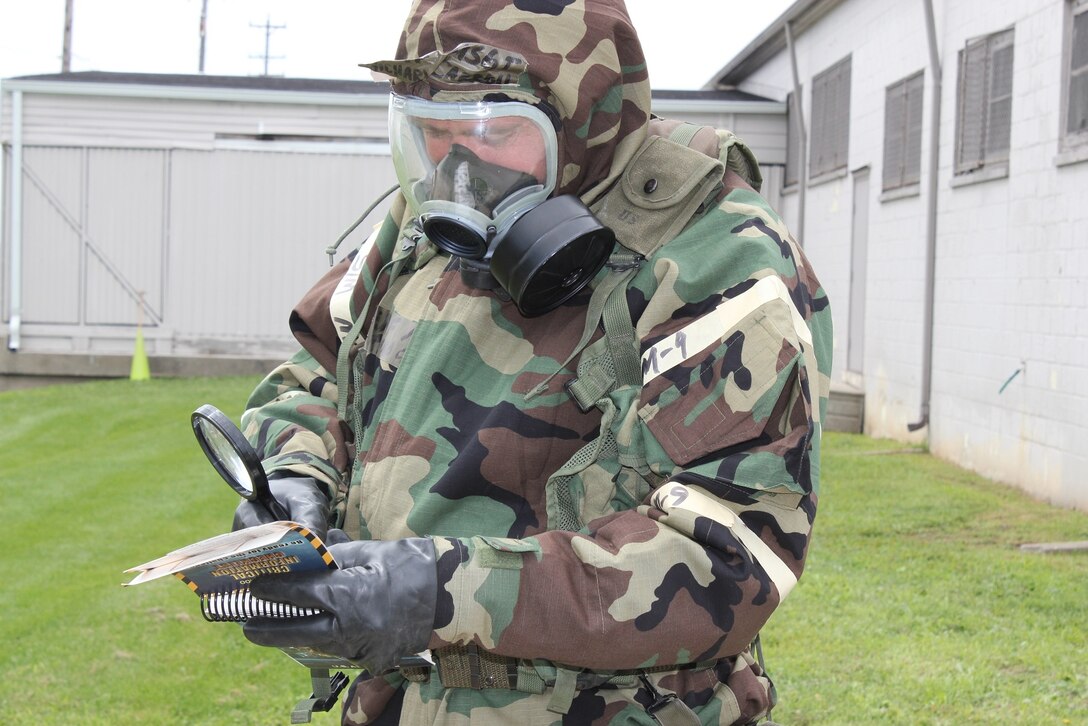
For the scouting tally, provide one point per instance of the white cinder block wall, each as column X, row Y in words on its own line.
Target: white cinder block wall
column 1012, row 277
column 1012, row 253
column 886, row 42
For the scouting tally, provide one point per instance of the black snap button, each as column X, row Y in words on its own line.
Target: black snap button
column 651, row 186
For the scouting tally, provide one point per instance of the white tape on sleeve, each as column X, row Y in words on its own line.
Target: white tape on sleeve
column 672, row 495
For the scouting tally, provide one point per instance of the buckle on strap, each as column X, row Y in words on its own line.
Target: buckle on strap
column 667, row 709
column 467, row 666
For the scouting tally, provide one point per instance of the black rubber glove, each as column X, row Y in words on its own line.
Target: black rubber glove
column 303, row 498
column 379, row 605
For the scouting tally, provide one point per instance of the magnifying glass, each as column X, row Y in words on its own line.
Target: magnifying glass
column 234, row 458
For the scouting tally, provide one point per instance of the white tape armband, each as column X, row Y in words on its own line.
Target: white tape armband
column 672, row 495
column 707, row 330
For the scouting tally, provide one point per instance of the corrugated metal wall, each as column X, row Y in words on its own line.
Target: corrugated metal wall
column 217, row 245
column 124, row 222
column 96, row 241
column 52, row 250
column 111, row 121
column 252, row 228
column 192, row 216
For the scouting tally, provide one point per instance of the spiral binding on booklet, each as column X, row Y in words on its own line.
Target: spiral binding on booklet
column 239, row 605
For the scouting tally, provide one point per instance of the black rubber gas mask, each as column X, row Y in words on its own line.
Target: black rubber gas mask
column 479, row 176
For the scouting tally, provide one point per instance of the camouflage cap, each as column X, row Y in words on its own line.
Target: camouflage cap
column 581, row 58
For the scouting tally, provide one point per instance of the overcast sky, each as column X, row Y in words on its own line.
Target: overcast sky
column 685, row 41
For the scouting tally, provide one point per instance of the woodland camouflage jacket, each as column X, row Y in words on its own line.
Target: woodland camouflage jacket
column 661, row 526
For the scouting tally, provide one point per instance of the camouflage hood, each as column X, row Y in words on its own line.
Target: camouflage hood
column 579, row 60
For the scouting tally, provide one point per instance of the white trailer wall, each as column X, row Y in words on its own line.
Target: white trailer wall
column 212, row 206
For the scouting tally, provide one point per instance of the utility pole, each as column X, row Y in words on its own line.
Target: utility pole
column 203, row 31
column 268, row 28
column 66, row 53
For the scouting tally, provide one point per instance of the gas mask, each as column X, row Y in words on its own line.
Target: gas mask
column 478, row 175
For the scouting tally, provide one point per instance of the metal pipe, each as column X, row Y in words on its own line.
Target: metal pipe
column 931, row 217
column 16, row 259
column 798, row 113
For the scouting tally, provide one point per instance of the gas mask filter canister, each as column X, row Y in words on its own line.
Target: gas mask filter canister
column 479, row 175
column 550, row 253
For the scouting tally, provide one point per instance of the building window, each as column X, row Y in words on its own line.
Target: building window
column 793, row 142
column 984, row 110
column 830, row 137
column 903, row 132
column 1076, row 115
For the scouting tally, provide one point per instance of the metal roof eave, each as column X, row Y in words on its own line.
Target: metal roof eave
column 196, row 93
column 326, row 98
column 802, row 14
column 671, row 105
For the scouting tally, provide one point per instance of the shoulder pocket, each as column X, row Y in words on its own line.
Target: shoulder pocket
column 659, row 192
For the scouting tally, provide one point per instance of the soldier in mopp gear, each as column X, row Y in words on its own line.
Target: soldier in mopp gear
column 564, row 402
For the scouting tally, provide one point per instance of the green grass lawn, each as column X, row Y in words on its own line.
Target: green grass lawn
column 917, row 607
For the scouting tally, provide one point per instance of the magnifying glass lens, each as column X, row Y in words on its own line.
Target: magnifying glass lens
column 226, row 455
column 230, row 453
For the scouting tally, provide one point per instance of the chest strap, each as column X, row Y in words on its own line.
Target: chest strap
column 622, row 365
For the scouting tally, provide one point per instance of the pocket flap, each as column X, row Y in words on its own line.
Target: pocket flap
column 664, row 173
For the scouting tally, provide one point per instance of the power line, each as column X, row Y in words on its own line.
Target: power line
column 268, row 28
column 203, row 31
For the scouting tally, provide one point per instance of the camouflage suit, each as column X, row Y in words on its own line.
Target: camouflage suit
column 652, row 529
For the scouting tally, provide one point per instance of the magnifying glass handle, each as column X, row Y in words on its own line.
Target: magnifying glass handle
column 274, row 507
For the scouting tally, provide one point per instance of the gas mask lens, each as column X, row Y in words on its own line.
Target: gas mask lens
column 469, row 169
column 479, row 175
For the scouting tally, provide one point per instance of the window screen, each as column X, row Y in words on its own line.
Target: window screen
column 984, row 113
column 830, row 138
column 903, row 132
